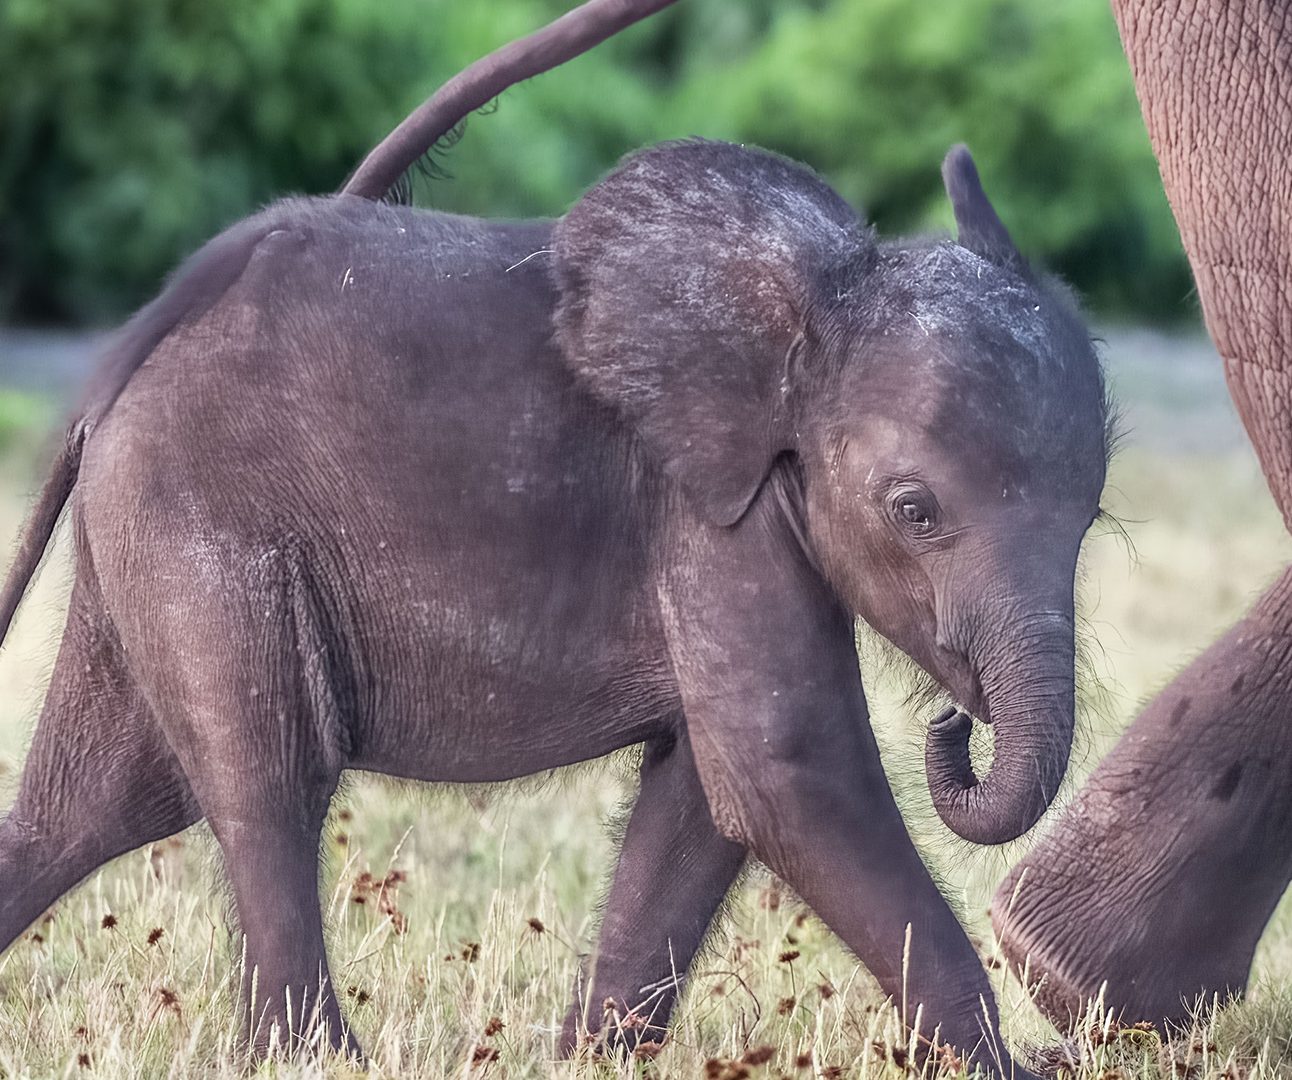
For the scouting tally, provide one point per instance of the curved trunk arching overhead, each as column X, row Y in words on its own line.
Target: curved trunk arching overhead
column 561, row 40
column 1195, row 797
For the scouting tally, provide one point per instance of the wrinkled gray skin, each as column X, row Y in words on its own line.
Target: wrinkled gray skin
column 393, row 492
column 1154, row 887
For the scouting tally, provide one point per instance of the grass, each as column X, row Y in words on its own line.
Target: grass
column 463, row 963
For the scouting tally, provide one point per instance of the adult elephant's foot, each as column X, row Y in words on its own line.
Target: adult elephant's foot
column 1156, row 883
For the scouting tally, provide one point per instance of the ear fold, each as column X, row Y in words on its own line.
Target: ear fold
column 687, row 278
column 979, row 227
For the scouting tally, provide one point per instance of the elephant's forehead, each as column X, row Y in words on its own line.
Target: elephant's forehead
column 962, row 297
column 992, row 362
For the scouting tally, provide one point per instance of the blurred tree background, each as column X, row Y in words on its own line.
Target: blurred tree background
column 132, row 130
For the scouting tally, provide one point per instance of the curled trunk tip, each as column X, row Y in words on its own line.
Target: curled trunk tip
column 1013, row 795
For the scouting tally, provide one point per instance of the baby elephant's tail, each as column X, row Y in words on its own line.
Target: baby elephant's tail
column 572, row 34
column 40, row 525
column 198, row 284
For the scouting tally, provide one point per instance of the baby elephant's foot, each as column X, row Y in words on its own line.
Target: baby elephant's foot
column 617, row 1031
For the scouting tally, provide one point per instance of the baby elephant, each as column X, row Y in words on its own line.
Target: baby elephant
column 462, row 500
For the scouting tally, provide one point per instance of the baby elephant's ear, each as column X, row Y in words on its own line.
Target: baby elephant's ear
column 979, row 227
column 686, row 280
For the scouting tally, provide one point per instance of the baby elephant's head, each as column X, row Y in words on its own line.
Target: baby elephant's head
column 940, row 406
column 950, row 490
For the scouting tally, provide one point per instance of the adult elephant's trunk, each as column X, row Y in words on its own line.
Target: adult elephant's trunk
column 573, row 33
column 1029, row 696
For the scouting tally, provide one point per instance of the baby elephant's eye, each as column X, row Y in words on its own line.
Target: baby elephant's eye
column 914, row 509
column 914, row 514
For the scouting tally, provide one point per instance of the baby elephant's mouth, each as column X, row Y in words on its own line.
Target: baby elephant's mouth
column 953, row 716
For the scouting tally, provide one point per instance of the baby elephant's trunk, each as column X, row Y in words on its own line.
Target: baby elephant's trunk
column 1029, row 697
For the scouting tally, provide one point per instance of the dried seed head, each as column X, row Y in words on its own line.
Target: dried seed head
column 722, row 1069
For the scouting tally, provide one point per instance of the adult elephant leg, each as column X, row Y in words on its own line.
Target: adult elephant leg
column 1161, row 876
column 674, row 870
column 778, row 723
column 1164, row 871
column 99, row 779
column 1214, row 79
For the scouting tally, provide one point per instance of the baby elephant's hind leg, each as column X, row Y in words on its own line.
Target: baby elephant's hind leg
column 253, row 716
column 99, row 779
column 271, row 853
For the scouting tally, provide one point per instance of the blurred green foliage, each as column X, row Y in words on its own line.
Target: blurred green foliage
column 25, row 422
column 131, row 130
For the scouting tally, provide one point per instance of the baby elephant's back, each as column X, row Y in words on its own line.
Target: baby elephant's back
column 366, row 355
column 377, row 396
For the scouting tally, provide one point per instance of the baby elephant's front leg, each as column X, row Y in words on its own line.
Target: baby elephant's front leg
column 674, row 869
column 768, row 675
column 818, row 811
